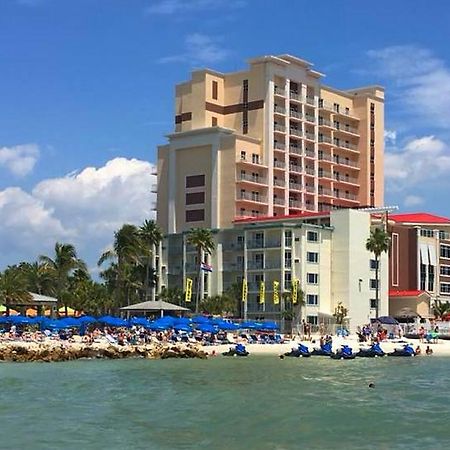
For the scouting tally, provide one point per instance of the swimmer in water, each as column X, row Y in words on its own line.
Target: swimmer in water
column 372, row 385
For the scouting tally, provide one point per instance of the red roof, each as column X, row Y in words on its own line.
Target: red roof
column 302, row 215
column 406, row 293
column 419, row 218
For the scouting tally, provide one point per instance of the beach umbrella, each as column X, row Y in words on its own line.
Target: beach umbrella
column 269, row 326
column 70, row 322
column 207, row 328
column 227, row 326
column 201, row 319
column 141, row 321
column 20, row 320
column 182, row 327
column 87, row 319
column 249, row 325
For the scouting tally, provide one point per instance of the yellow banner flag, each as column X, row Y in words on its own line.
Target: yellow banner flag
column 188, row 291
column 276, row 295
column 295, row 291
column 244, row 290
column 262, row 292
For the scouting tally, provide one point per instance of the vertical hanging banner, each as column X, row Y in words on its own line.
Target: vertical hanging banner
column 244, row 290
column 276, row 295
column 262, row 292
column 295, row 291
column 188, row 291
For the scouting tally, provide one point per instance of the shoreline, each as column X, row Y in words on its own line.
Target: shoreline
column 53, row 350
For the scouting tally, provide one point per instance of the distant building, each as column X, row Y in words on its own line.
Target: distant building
column 271, row 140
column 419, row 261
column 324, row 252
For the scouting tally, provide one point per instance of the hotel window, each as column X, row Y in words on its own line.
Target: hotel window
column 287, row 280
column 445, row 288
column 445, row 271
column 373, row 264
column 336, row 107
column 373, row 303
column 423, row 276
column 312, row 236
column 255, row 158
column 288, row 238
column 195, row 215
column 312, row 320
column 214, row 121
column 195, row 198
column 445, row 251
column 287, row 260
column 243, row 155
column 312, row 278
column 312, row 299
column 430, row 278
column 215, row 89
column 195, row 181
column 373, row 283
column 312, row 257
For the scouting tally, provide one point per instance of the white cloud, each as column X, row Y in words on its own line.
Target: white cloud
column 413, row 200
column 421, row 82
column 83, row 208
column 199, row 49
column 420, row 160
column 390, row 136
column 178, row 7
column 20, row 159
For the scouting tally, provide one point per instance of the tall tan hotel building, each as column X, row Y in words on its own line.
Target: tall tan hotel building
column 271, row 140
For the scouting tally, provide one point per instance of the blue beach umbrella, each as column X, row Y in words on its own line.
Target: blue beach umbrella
column 249, row 325
column 87, row 319
column 182, row 327
column 269, row 326
column 207, row 328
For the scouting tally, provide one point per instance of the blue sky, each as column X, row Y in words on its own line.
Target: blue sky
column 86, row 89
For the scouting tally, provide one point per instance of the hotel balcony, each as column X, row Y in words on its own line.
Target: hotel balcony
column 279, row 146
column 325, row 140
column 295, row 186
column 350, row 197
column 249, row 197
column 348, row 180
column 280, row 184
column 325, row 123
column 258, row 244
column 295, row 168
column 295, row 204
column 251, row 162
column 295, row 115
column 346, row 129
column 323, row 104
column 310, row 171
column 154, row 188
column 326, row 158
column 278, row 91
column 310, row 189
column 280, row 165
column 325, row 192
column 346, row 146
column 279, row 128
column 279, row 110
column 310, row 207
column 295, row 150
column 326, row 175
column 296, row 132
column 278, row 201
column 310, row 154
column 310, row 136
column 295, row 96
column 309, row 118
column 347, row 163
column 311, row 100
column 345, row 112
column 249, row 178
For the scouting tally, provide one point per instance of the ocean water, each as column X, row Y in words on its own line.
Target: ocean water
column 227, row 403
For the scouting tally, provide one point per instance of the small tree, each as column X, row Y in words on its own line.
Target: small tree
column 340, row 313
column 441, row 309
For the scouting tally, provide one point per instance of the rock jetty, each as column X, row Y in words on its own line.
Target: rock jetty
column 53, row 352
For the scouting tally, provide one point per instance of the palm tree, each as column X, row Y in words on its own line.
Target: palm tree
column 61, row 266
column 151, row 235
column 13, row 288
column 441, row 309
column 202, row 240
column 38, row 277
column 125, row 255
column 377, row 243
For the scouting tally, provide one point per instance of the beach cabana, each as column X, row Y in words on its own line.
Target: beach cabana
column 154, row 306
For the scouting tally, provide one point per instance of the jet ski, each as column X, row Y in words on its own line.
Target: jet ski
column 238, row 350
column 324, row 350
column 407, row 350
column 344, row 353
column 301, row 351
column 374, row 351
